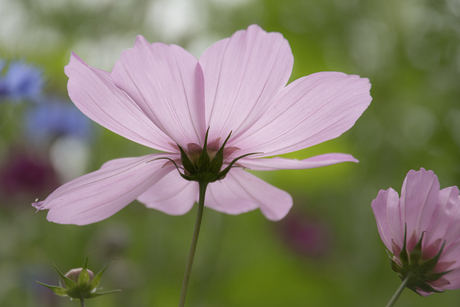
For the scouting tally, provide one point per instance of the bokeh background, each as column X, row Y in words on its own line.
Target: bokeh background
column 326, row 252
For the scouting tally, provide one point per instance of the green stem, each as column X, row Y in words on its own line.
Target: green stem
column 399, row 291
column 191, row 255
column 82, row 302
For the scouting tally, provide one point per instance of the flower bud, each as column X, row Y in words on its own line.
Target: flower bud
column 79, row 283
column 75, row 273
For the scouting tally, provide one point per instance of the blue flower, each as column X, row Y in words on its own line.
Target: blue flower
column 55, row 118
column 21, row 81
column 2, row 82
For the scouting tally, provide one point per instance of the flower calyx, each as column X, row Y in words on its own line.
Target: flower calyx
column 79, row 283
column 418, row 270
column 204, row 165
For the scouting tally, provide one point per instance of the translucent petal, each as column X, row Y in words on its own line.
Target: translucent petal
column 94, row 93
column 171, row 195
column 282, row 163
column 241, row 192
column 167, row 84
column 243, row 74
column 100, row 194
column 309, row 111
column 388, row 217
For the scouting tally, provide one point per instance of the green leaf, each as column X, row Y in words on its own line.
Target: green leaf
column 403, row 256
column 395, row 267
column 224, row 173
column 430, row 264
column 83, row 278
column 416, row 253
column 435, row 276
column 216, row 163
column 57, row 290
column 177, row 167
column 69, row 283
column 188, row 165
column 427, row 288
column 204, row 161
column 97, row 279
column 96, row 294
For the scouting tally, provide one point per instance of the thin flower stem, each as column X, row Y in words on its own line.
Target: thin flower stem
column 399, row 291
column 82, row 302
column 191, row 255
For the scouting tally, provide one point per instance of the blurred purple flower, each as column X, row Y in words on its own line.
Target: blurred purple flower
column 55, row 118
column 21, row 81
column 306, row 235
column 24, row 176
column 422, row 231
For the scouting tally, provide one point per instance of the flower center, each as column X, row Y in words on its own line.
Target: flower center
column 205, row 164
column 194, row 151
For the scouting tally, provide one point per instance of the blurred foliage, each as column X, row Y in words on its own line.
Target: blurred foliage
column 410, row 50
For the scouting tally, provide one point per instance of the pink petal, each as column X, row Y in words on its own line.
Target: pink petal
column 440, row 283
column 243, row 74
column 167, row 83
column 282, row 163
column 423, row 293
column 446, row 222
column 434, row 285
column 100, row 194
column 241, row 191
column 388, row 216
column 172, row 195
column 419, row 196
column 309, row 111
column 454, row 279
column 94, row 93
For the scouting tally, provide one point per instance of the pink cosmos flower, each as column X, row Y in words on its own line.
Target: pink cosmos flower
column 162, row 97
column 426, row 221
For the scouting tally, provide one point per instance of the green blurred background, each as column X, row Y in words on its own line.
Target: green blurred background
column 333, row 255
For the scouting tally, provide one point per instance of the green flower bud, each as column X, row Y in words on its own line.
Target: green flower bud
column 79, row 283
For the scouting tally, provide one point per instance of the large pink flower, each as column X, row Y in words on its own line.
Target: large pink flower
column 423, row 210
column 162, row 97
